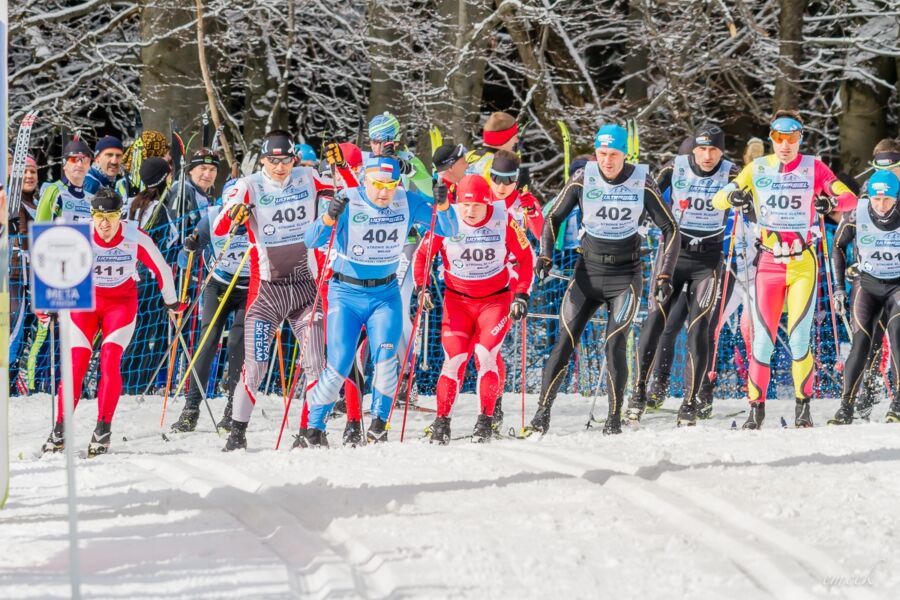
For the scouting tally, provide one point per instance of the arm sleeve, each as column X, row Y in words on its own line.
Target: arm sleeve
column 534, row 217
column 826, row 182
column 238, row 194
column 568, row 200
column 203, row 231
column 846, row 231
column 319, row 232
column 445, row 224
column 46, row 207
column 670, row 242
column 153, row 259
column 518, row 246
column 743, row 181
column 664, row 180
column 422, row 259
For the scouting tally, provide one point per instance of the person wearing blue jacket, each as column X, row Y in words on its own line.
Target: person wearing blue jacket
column 372, row 221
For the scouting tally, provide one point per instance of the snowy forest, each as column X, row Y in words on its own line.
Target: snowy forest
column 320, row 69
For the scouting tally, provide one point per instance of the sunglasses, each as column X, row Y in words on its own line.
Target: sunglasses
column 791, row 137
column 385, row 185
column 77, row 158
column 280, row 160
column 102, row 215
column 505, row 179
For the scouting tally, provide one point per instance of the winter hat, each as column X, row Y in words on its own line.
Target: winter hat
column 107, row 142
column 447, row 155
column 710, row 135
column 306, row 152
column 76, row 147
column 883, row 183
column 505, row 164
column 277, row 143
column 151, row 143
column 106, row 200
column 30, row 162
column 154, row 172
column 612, row 136
column 384, row 164
column 473, row 188
column 384, row 128
column 204, row 156
column 886, row 160
column 352, row 155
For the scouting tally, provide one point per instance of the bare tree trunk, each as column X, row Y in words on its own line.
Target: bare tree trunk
column 210, row 92
column 863, row 121
column 171, row 87
column 383, row 94
column 636, row 85
column 790, row 50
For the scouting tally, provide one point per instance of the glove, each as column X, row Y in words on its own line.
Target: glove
column 337, row 205
column 181, row 261
column 524, row 178
column 334, row 156
column 43, row 318
column 406, row 168
column 825, row 204
column 440, row 195
column 519, row 307
column 664, row 288
column 192, row 242
column 740, row 199
column 424, row 296
column 239, row 214
column 176, row 308
column 542, row 267
column 839, row 302
column 528, row 203
column 389, row 149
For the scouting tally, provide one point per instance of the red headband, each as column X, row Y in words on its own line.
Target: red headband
column 498, row 138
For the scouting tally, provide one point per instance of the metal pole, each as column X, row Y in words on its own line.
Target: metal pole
column 65, row 335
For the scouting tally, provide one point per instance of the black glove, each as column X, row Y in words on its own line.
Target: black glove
column 334, row 156
column 337, row 205
column 664, row 288
column 524, row 178
column 440, row 194
column 542, row 267
column 839, row 302
column 740, row 199
column 192, row 242
column 389, row 149
column 519, row 307
column 825, row 204
column 424, row 296
column 239, row 214
column 406, row 167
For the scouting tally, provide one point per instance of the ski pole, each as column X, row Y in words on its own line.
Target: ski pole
column 524, row 347
column 185, row 280
column 216, row 314
column 715, row 353
column 52, row 369
column 280, row 352
column 194, row 304
column 839, row 361
column 187, row 352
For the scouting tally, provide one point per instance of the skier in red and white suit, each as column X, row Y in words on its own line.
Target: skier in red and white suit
column 118, row 246
column 487, row 272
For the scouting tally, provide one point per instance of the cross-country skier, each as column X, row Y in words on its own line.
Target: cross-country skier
column 372, row 221
column 278, row 204
column 202, row 170
column 787, row 191
column 500, row 132
column 66, row 196
column 692, row 179
column 206, row 240
column 874, row 228
column 613, row 197
column 118, row 247
column 107, row 167
column 521, row 204
column 450, row 164
column 481, row 298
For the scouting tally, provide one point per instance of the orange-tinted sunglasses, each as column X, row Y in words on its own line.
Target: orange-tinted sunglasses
column 780, row 136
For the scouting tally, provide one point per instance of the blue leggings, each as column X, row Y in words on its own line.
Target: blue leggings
column 350, row 308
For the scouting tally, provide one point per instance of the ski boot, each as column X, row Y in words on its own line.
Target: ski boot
column 659, row 389
column 439, row 431
column 868, row 396
column 844, row 414
column 893, row 413
column 187, row 421
column 802, row 418
column 687, row 414
column 637, row 404
column 100, row 440
column 237, row 437
column 613, row 424
column 352, row 433
column 56, row 442
column 225, row 423
column 340, row 408
column 497, row 422
column 377, row 431
column 483, row 431
column 756, row 417
column 704, row 404
column 540, row 422
column 311, row 438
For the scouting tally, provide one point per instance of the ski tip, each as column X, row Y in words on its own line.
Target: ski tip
column 783, row 423
column 734, row 424
column 165, row 438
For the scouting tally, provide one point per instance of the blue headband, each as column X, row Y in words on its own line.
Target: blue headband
column 786, row 125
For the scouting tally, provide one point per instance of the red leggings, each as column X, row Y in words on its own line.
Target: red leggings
column 473, row 326
column 115, row 317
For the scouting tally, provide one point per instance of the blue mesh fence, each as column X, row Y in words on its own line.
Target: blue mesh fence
column 154, row 332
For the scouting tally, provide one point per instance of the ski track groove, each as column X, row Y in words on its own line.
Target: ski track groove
column 751, row 544
column 328, row 565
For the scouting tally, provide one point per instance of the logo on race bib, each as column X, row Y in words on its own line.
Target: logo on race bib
column 266, row 199
column 791, row 182
column 679, row 184
column 865, row 240
column 69, row 204
column 360, row 218
column 594, row 194
column 269, row 229
column 763, row 182
column 358, row 250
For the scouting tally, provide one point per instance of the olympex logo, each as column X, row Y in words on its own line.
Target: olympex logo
column 790, row 182
column 621, row 193
column 701, row 186
column 890, row 240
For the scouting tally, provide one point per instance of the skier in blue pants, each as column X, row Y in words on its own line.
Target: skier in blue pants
column 372, row 221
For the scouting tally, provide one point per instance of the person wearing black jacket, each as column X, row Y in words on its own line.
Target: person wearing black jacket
column 613, row 197
column 691, row 182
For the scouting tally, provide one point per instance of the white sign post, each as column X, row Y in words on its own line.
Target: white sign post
column 62, row 280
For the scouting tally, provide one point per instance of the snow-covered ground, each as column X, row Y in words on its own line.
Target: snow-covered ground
column 705, row 512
